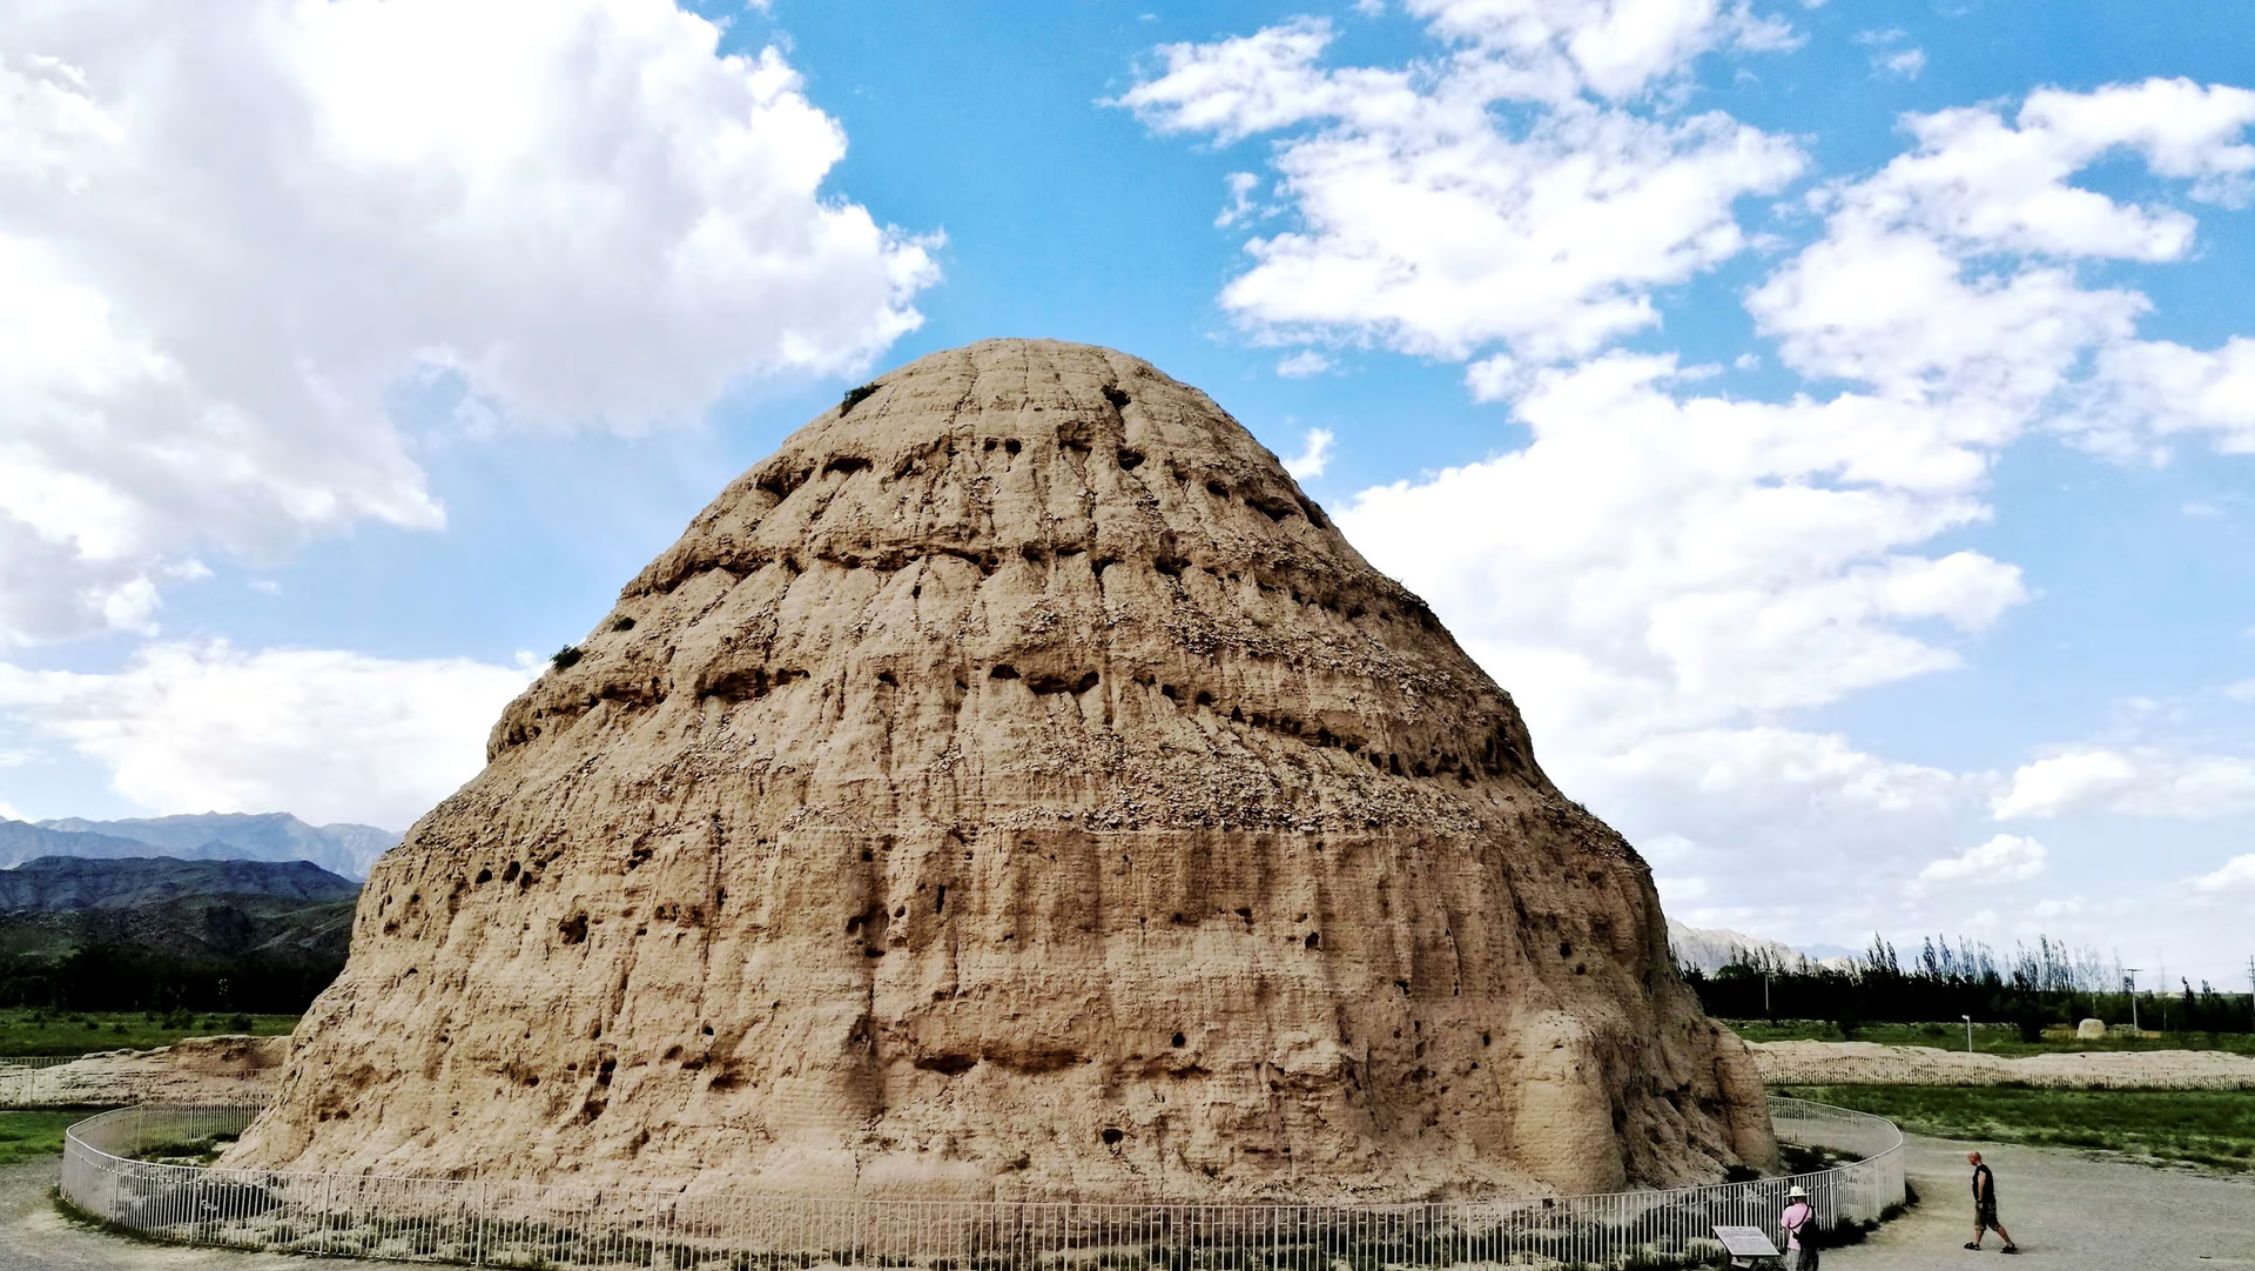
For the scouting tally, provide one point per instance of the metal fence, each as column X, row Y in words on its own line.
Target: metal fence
column 561, row 1228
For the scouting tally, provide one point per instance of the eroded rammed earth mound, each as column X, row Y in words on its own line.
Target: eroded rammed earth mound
column 1016, row 786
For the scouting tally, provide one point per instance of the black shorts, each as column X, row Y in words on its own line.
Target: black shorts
column 1985, row 1217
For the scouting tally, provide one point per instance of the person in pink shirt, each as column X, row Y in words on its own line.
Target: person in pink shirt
column 1799, row 1220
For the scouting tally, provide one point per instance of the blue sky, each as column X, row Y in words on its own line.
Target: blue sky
column 1833, row 422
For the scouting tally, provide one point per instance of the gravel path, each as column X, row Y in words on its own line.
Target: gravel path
column 33, row 1237
column 2069, row 1210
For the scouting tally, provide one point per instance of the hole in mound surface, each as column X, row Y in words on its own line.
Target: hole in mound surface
column 573, row 929
column 1177, row 1041
column 1003, row 671
column 1116, row 395
column 1130, row 460
column 1012, row 446
column 845, row 465
column 1112, row 1135
column 1217, row 489
column 947, row 1064
column 485, row 876
column 1314, row 940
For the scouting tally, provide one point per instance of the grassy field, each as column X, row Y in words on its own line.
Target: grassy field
column 2214, row 1129
column 74, row 1033
column 27, row 1136
column 1991, row 1039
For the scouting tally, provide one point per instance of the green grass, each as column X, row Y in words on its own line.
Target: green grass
column 27, row 1032
column 2214, row 1129
column 1988, row 1039
column 28, row 1136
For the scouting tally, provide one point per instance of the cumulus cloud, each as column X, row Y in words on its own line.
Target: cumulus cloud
column 1240, row 206
column 2149, row 393
column 2007, row 858
column 1664, row 561
column 1302, row 364
column 1951, row 274
column 2236, row 874
column 1314, row 456
column 1609, row 48
column 1430, row 225
column 572, row 213
column 2141, row 782
column 329, row 735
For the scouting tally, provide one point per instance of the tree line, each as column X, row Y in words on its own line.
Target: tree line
column 108, row 976
column 2033, row 987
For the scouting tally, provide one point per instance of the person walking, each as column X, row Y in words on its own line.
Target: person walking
column 1799, row 1222
column 1985, row 1205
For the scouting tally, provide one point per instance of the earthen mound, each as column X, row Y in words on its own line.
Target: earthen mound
column 1016, row 786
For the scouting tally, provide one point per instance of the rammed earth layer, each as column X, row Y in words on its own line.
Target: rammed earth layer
column 1017, row 786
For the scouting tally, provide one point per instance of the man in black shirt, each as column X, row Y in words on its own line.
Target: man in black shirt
column 1985, row 1205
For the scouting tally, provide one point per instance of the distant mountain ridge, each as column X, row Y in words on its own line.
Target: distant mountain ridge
column 1710, row 949
column 62, row 884
column 346, row 849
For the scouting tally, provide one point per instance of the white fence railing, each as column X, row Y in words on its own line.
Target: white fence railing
column 559, row 1228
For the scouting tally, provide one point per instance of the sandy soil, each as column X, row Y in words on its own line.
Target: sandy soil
column 198, row 1070
column 2069, row 1211
column 1868, row 1063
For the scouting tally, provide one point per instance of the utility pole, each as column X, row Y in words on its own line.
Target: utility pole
column 2130, row 986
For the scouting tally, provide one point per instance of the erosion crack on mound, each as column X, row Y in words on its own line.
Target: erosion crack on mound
column 1016, row 786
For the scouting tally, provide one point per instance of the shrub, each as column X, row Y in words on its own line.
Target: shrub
column 240, row 1023
column 855, row 397
column 566, row 657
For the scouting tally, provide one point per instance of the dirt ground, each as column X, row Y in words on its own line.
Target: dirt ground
column 1869, row 1063
column 2069, row 1210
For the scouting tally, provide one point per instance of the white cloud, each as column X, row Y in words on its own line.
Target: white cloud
column 1950, row 275
column 575, row 211
column 2243, row 691
column 329, row 735
column 1890, row 56
column 1903, row 63
column 1241, row 206
column 1428, row 225
column 2007, row 858
column 1612, row 48
column 1659, row 561
column 2147, row 393
column 2236, row 874
column 1314, row 456
column 1302, row 364
column 2142, row 782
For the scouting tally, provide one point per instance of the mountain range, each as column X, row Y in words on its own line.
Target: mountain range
column 1710, row 949
column 346, row 849
column 55, row 906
